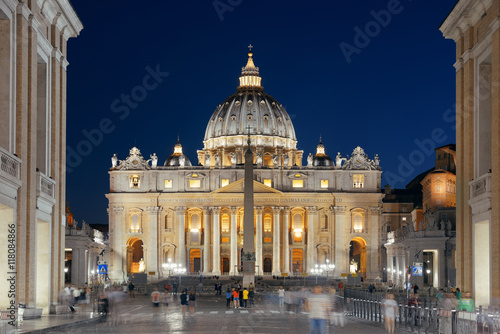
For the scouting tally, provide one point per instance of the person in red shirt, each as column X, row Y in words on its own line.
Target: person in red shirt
column 236, row 298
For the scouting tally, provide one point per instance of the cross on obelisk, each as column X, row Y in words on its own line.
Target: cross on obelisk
column 248, row 257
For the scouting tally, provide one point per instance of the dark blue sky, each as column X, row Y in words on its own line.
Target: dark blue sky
column 389, row 89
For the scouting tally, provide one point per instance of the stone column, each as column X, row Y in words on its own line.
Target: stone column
column 216, row 241
column 276, row 241
column 206, row 240
column 152, row 231
column 75, row 265
column 339, row 256
column 286, row 242
column 258, row 242
column 118, row 270
column 181, row 232
column 234, row 242
column 312, row 223
column 441, row 268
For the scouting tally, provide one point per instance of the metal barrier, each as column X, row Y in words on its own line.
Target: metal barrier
column 427, row 319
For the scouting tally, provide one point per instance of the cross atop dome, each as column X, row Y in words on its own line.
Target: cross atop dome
column 250, row 47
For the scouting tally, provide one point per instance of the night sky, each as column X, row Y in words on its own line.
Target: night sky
column 378, row 74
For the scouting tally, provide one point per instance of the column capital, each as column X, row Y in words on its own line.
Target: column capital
column 234, row 210
column 118, row 209
column 206, row 210
column 376, row 210
column 180, row 209
column 154, row 209
column 276, row 209
column 259, row 209
column 312, row 209
column 215, row 209
column 286, row 210
column 338, row 210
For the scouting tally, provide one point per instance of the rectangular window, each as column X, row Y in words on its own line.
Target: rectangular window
column 268, row 182
column 324, row 184
column 268, row 224
column 267, row 240
column 388, row 228
column 168, row 183
column 194, row 183
column 298, row 183
column 224, row 182
column 135, row 181
column 225, row 240
column 358, row 181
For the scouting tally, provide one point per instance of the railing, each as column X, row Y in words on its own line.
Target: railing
column 426, row 319
column 46, row 186
column 10, row 164
column 481, row 185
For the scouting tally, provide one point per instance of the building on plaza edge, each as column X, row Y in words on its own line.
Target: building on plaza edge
column 327, row 211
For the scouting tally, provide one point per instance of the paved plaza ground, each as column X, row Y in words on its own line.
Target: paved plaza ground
column 210, row 316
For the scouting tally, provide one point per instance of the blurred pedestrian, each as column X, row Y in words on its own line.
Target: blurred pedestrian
column 184, row 302
column 131, row 289
column 245, row 297
column 439, row 296
column 337, row 315
column 228, row 298
column 390, row 309
column 251, row 296
column 192, row 302
column 318, row 306
column 281, row 296
column 155, row 297
column 236, row 298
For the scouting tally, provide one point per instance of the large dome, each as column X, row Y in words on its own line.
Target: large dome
column 250, row 111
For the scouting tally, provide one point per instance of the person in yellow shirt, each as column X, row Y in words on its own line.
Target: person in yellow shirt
column 245, row 297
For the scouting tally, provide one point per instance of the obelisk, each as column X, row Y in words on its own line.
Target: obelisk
column 248, row 257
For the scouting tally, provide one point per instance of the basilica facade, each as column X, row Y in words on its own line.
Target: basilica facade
column 325, row 212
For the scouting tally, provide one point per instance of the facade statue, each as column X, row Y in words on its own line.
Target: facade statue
column 275, row 160
column 207, row 159
column 258, row 160
column 142, row 265
column 286, row 160
column 338, row 160
column 353, row 267
column 154, row 160
column 232, row 155
column 376, row 160
column 441, row 225
column 448, row 225
column 114, row 161
column 310, row 160
column 217, row 159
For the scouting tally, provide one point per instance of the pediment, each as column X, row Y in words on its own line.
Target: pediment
column 239, row 187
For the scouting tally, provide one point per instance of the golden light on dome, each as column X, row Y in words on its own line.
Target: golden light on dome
column 250, row 73
column 178, row 149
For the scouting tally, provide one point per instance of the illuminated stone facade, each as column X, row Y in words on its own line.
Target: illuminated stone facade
column 327, row 211
column 33, row 38
column 475, row 27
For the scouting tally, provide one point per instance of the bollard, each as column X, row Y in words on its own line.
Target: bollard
column 435, row 320
column 454, row 321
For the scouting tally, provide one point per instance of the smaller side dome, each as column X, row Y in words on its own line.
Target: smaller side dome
column 177, row 159
column 320, row 159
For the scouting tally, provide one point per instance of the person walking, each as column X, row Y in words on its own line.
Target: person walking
column 131, row 290
column 318, row 306
column 390, row 310
column 155, row 298
column 281, row 296
column 251, row 296
column 245, row 297
column 236, row 298
column 184, row 302
column 192, row 302
column 228, row 298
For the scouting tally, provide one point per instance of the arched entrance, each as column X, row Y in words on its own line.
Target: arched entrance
column 135, row 256
column 357, row 256
column 297, row 261
column 194, row 260
column 268, row 265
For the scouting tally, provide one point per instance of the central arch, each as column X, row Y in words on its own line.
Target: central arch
column 357, row 256
column 135, row 255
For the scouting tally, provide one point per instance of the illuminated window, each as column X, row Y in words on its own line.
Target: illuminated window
column 225, row 223
column 438, row 187
column 357, row 222
column 135, row 181
column 358, row 181
column 168, row 183
column 225, row 240
column 298, row 183
column 224, row 182
column 135, row 223
column 268, row 182
column 267, row 240
column 297, row 228
column 404, row 219
column 194, row 183
column 195, row 228
column 268, row 226
column 324, row 183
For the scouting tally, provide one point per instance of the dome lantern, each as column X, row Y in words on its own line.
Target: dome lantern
column 250, row 73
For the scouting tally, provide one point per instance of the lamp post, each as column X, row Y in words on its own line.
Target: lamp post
column 316, row 271
column 327, row 267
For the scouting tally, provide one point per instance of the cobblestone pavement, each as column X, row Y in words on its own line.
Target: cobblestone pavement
column 211, row 316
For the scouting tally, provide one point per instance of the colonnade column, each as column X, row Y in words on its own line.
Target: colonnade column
column 206, row 240
column 340, row 258
column 181, row 218
column 152, row 263
column 216, row 240
column 286, row 242
column 276, row 241
column 258, row 242
column 234, row 242
column 311, row 236
column 118, row 269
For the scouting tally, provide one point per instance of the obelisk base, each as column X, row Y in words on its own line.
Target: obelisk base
column 248, row 274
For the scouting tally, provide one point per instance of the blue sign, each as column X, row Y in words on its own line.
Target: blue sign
column 103, row 269
column 417, row 269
